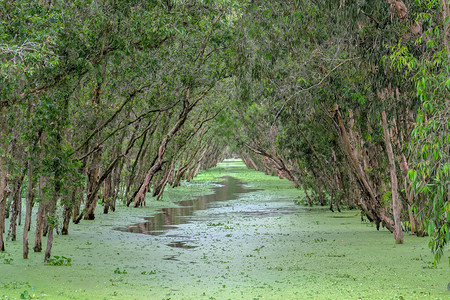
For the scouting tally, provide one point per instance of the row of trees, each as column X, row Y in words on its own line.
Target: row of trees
column 106, row 101
column 350, row 101
column 102, row 100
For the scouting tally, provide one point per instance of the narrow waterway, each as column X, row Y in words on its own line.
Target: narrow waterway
column 229, row 188
column 246, row 239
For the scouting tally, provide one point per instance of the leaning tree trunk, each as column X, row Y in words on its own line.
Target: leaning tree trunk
column 166, row 180
column 396, row 202
column 369, row 202
column 140, row 196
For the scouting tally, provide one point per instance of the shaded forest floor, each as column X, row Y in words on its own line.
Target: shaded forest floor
column 260, row 246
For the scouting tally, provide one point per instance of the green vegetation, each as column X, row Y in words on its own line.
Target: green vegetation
column 276, row 254
column 106, row 105
column 60, row 261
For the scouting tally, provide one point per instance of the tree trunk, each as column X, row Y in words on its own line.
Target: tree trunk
column 179, row 175
column 245, row 162
column 77, row 205
column 253, row 163
column 51, row 225
column 140, row 196
column 115, row 184
column 370, row 204
column 40, row 216
column 310, row 202
column 28, row 209
column 16, row 206
column 409, row 195
column 196, row 166
column 445, row 18
column 93, row 174
column 107, row 193
column 396, row 202
column 67, row 213
column 4, row 191
column 166, row 180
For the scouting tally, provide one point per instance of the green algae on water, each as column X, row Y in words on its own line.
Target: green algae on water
column 259, row 245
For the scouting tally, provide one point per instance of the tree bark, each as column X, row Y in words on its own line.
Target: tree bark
column 371, row 205
column 28, row 209
column 68, row 210
column 396, row 202
column 40, row 216
column 310, row 202
column 445, row 18
column 93, row 174
column 253, row 163
column 140, row 196
column 4, row 192
column 51, row 225
column 107, row 193
column 16, row 206
column 166, row 180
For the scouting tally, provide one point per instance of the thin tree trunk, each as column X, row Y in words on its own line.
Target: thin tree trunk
column 28, row 209
column 245, row 162
column 445, row 17
column 76, row 205
column 107, row 193
column 140, row 196
column 196, row 165
column 16, row 206
column 67, row 214
column 68, row 210
column 337, row 180
column 116, row 180
column 194, row 172
column 116, row 177
column 40, row 216
column 310, row 202
column 253, row 163
column 51, row 226
column 331, row 200
column 166, row 180
column 91, row 202
column 4, row 191
column 396, row 202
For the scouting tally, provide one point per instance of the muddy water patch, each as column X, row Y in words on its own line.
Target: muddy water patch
column 169, row 218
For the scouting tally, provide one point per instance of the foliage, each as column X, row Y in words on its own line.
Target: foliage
column 430, row 139
column 60, row 261
column 118, row 271
column 121, row 98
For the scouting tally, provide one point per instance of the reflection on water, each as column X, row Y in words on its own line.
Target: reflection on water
column 168, row 218
column 181, row 244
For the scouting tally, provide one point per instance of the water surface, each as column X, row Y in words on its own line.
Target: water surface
column 168, row 218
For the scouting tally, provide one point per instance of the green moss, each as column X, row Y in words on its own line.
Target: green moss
column 262, row 246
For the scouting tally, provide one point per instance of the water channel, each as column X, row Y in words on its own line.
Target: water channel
column 169, row 218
